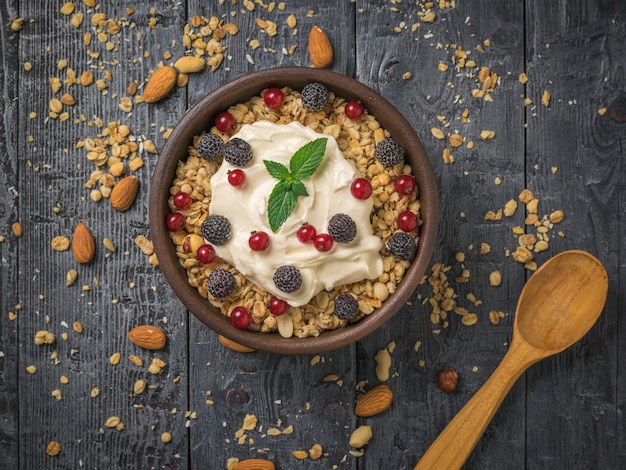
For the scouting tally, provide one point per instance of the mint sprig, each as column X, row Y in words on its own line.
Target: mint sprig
column 302, row 165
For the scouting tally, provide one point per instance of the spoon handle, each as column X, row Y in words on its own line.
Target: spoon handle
column 455, row 443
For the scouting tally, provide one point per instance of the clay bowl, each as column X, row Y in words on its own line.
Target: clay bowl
column 201, row 118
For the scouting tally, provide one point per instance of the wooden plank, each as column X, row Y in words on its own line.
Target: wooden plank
column 572, row 400
column 388, row 47
column 282, row 391
column 116, row 291
column 9, row 409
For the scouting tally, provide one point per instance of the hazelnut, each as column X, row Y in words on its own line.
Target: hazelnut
column 447, row 380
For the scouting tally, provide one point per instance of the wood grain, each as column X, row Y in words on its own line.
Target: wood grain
column 9, row 373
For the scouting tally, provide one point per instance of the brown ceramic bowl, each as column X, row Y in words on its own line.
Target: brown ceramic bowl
column 201, row 117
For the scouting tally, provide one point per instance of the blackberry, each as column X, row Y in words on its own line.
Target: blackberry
column 389, row 152
column 216, row 229
column 237, row 152
column 346, row 307
column 342, row 228
column 402, row 246
column 210, row 146
column 287, row 278
column 221, row 283
column 314, row 97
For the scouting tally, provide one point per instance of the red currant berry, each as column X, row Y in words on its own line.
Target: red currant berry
column 407, row 221
column 240, row 318
column 182, row 200
column 361, row 188
column 259, row 241
column 323, row 242
column 236, row 177
column 306, row 233
column 273, row 98
column 205, row 254
column 278, row 306
column 354, row 109
column 405, row 184
column 224, row 121
column 175, row 221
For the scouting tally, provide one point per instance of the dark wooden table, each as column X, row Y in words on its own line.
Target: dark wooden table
column 567, row 412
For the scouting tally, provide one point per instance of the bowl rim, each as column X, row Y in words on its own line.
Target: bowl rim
column 200, row 117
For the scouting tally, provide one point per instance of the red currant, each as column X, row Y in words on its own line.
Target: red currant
column 259, row 241
column 205, row 254
column 240, row 318
column 278, row 306
column 273, row 98
column 407, row 221
column 236, row 177
column 361, row 188
column 306, row 233
column 224, row 121
column 405, row 184
column 354, row 109
column 182, row 200
column 323, row 242
column 175, row 221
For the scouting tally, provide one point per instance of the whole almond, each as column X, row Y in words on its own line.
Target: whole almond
column 254, row 464
column 189, row 64
column 147, row 337
column 320, row 48
column 83, row 244
column 161, row 82
column 230, row 344
column 374, row 401
column 124, row 193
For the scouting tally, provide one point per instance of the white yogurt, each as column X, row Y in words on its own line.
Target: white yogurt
column 329, row 194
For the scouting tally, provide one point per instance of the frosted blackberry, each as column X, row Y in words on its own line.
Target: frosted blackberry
column 221, row 283
column 287, row 278
column 342, row 228
column 389, row 152
column 314, row 97
column 237, row 152
column 346, row 307
column 402, row 246
column 210, row 146
column 216, row 229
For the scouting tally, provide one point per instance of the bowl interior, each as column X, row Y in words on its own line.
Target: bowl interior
column 200, row 118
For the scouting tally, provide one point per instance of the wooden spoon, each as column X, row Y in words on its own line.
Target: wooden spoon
column 559, row 304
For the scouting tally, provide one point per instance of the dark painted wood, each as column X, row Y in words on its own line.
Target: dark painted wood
column 567, row 412
column 9, row 374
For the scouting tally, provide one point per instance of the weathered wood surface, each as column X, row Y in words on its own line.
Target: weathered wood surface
column 565, row 413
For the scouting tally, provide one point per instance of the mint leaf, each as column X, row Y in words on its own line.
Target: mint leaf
column 307, row 159
column 284, row 196
column 281, row 204
column 277, row 170
column 298, row 188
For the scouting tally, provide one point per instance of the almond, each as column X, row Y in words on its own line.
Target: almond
column 320, row 48
column 230, row 344
column 189, row 64
column 254, row 464
column 124, row 193
column 83, row 244
column 161, row 82
column 374, row 401
column 147, row 337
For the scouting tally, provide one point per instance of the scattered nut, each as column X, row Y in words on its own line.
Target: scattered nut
column 447, row 380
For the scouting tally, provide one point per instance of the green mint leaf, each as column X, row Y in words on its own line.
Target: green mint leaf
column 307, row 159
column 281, row 204
column 298, row 188
column 277, row 170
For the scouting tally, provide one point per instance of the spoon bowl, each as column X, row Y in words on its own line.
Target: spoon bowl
column 561, row 301
column 559, row 304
